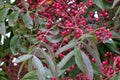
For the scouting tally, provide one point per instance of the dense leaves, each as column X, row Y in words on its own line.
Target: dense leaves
column 59, row 39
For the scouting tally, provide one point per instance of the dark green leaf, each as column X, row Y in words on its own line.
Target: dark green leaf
column 106, row 5
column 74, row 72
column 69, row 63
column 39, row 21
column 62, row 63
column 43, row 28
column 54, row 39
column 28, row 21
column 3, row 14
column 13, row 45
column 112, row 46
column 96, row 69
column 99, row 3
column 55, row 31
column 12, row 18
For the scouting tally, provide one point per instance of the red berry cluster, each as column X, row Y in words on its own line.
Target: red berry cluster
column 33, row 4
column 103, row 34
column 107, row 65
column 12, row 70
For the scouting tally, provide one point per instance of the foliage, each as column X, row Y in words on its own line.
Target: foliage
column 59, row 39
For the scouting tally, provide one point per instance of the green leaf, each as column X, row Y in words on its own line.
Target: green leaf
column 84, row 36
column 96, row 69
column 20, row 46
column 48, row 48
column 32, row 39
column 107, row 5
column 1, row 2
column 28, row 21
column 93, row 51
column 21, row 68
column 39, row 68
column 50, row 62
column 117, row 12
column 88, row 65
column 99, row 3
column 12, row 18
column 13, row 45
column 74, row 72
column 114, row 3
column 83, row 63
column 43, row 28
column 39, row 21
column 54, row 39
column 112, row 46
column 7, row 5
column 29, row 75
column 116, row 76
column 66, row 58
column 2, row 29
column 71, row 44
column 22, row 58
column 1, row 6
column 48, row 73
column 69, row 63
column 55, row 31
column 3, row 14
column 79, row 60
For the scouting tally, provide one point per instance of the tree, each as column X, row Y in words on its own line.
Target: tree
column 59, row 39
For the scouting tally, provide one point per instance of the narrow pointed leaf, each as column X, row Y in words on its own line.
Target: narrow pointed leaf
column 23, row 58
column 3, row 14
column 29, row 75
column 13, row 45
column 79, row 61
column 28, row 20
column 114, row 3
column 54, row 39
column 2, row 29
column 99, row 3
column 12, row 18
column 112, row 46
column 49, row 61
column 66, row 58
column 40, row 70
column 71, row 44
column 88, row 65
